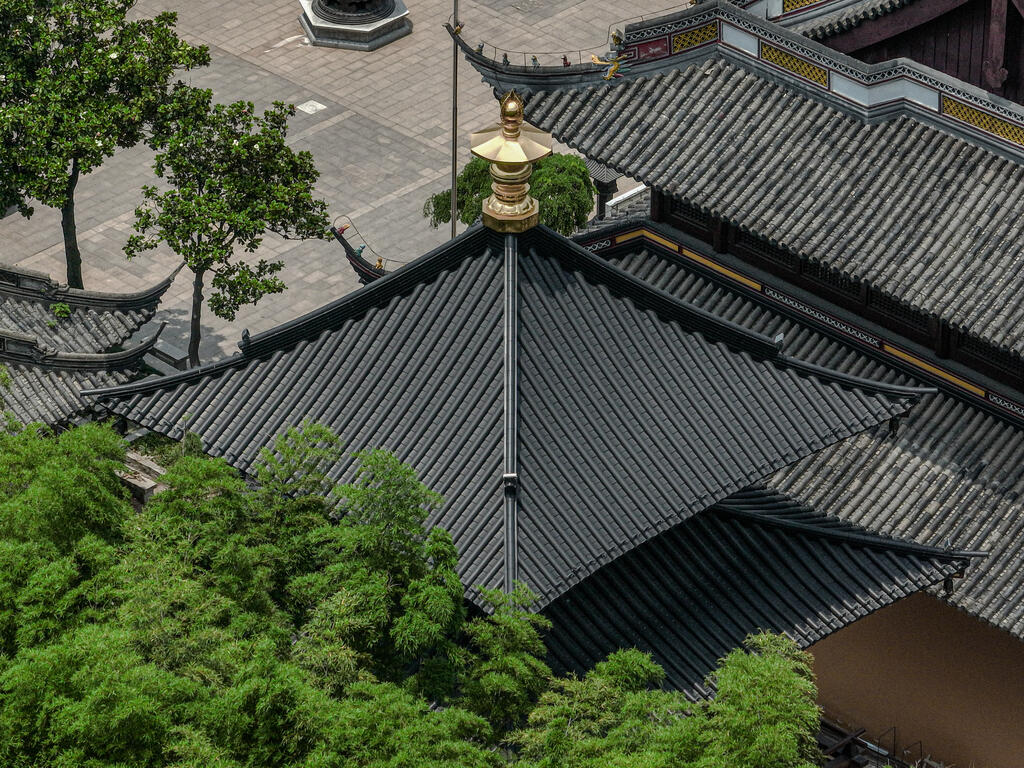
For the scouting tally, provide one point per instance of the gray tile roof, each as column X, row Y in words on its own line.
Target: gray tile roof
column 97, row 320
column 952, row 473
column 635, row 411
column 51, row 358
column 86, row 329
column 918, row 213
column 848, row 16
column 757, row 560
column 601, row 173
column 49, row 395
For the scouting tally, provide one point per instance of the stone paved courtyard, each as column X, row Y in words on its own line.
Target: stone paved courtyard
column 381, row 142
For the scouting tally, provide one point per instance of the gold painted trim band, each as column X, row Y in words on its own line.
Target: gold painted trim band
column 742, row 279
column 932, row 369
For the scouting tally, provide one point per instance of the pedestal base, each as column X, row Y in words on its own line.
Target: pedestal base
column 358, row 37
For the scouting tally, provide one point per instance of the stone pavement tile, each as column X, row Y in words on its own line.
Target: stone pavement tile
column 382, row 143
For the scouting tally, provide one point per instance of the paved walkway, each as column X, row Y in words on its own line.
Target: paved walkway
column 381, row 141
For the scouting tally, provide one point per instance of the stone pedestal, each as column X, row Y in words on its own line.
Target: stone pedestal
column 359, row 26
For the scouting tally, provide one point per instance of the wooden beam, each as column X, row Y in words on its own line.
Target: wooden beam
column 891, row 24
column 993, row 73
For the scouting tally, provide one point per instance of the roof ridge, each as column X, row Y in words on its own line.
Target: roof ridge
column 30, row 285
column 740, row 505
column 857, row 382
column 822, row 20
column 711, row 325
column 328, row 316
column 698, row 320
column 86, row 360
column 719, row 29
column 393, row 283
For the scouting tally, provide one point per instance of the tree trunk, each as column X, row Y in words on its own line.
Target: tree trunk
column 67, row 222
column 197, row 311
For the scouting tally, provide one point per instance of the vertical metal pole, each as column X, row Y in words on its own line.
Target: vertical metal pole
column 455, row 116
column 510, row 478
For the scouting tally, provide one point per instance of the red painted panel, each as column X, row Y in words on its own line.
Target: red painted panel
column 653, row 49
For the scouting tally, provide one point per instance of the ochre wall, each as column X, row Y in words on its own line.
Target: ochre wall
column 937, row 674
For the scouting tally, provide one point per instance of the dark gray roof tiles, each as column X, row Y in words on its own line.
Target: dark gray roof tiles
column 601, row 173
column 848, row 16
column 952, row 473
column 629, row 425
column 51, row 355
column 86, row 329
column 757, row 560
column 919, row 213
column 51, row 396
column 416, row 372
column 634, row 410
column 96, row 321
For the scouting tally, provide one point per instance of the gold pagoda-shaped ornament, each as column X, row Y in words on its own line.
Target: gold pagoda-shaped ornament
column 512, row 147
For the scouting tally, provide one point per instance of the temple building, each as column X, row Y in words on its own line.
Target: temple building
column 56, row 341
column 867, row 211
column 628, row 426
column 978, row 41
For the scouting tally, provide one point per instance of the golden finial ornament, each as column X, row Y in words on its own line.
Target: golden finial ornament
column 511, row 147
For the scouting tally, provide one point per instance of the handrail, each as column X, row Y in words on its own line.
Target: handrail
column 543, row 58
column 577, row 56
column 652, row 15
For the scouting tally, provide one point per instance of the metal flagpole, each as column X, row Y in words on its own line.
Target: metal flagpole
column 455, row 114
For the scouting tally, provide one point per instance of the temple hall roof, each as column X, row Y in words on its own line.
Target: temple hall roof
column 31, row 393
column 847, row 16
column 95, row 321
column 951, row 474
column 756, row 560
column 56, row 341
column 565, row 410
column 892, row 174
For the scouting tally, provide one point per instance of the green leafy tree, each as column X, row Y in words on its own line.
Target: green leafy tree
column 232, row 178
column 382, row 726
column 505, row 672
column 226, row 626
column 165, row 637
column 386, row 603
column 80, row 80
column 561, row 184
column 763, row 715
column 764, row 707
column 616, row 715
